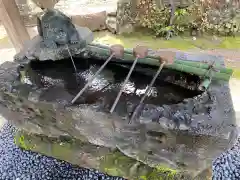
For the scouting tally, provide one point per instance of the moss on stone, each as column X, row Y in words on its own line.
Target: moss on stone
column 112, row 162
column 70, row 150
column 66, row 150
column 161, row 173
column 20, row 140
column 117, row 164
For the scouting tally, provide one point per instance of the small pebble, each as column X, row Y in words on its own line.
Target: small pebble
column 227, row 165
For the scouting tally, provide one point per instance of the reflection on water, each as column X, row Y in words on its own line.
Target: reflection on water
column 60, row 82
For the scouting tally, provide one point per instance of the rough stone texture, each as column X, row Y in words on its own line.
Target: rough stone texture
column 91, row 14
column 184, row 136
column 57, row 29
column 58, row 38
column 110, row 161
column 111, row 24
column 44, row 4
column 93, row 21
column 21, row 164
column 34, row 50
column 28, row 11
column 125, row 16
column 192, row 147
column 85, row 154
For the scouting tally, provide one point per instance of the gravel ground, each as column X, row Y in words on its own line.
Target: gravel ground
column 227, row 165
column 17, row 164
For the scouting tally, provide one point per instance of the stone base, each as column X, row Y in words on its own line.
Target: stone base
column 107, row 160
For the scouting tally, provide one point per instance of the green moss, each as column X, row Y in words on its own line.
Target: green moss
column 20, row 140
column 61, row 150
column 114, row 163
column 47, row 146
column 118, row 164
column 34, row 143
column 161, row 173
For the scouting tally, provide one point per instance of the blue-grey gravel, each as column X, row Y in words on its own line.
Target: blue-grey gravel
column 18, row 164
column 227, row 165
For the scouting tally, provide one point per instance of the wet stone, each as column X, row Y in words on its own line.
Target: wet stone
column 172, row 116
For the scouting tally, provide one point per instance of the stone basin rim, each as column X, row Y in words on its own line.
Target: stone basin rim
column 199, row 92
column 126, row 151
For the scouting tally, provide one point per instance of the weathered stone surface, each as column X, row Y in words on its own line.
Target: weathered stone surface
column 33, row 49
column 57, row 29
column 111, row 24
column 58, row 38
column 44, row 4
column 126, row 14
column 107, row 160
column 186, row 134
column 93, row 21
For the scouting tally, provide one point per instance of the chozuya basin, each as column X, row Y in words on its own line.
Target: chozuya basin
column 178, row 127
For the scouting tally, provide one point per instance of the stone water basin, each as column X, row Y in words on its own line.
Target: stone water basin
column 60, row 83
column 179, row 127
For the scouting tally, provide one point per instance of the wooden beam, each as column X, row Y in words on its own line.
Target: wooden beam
column 13, row 23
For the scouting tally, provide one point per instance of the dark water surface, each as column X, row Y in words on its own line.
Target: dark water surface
column 62, row 83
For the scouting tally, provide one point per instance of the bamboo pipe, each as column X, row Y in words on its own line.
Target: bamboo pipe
column 196, row 68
